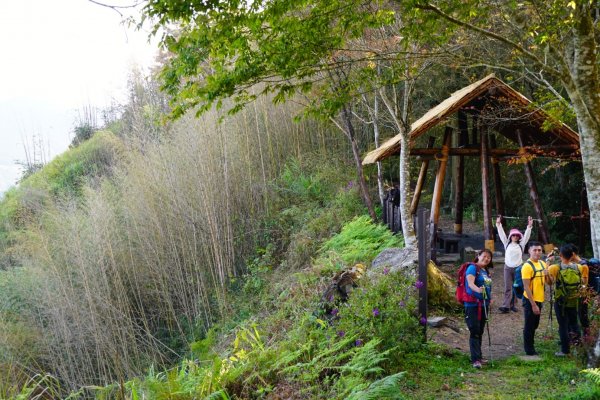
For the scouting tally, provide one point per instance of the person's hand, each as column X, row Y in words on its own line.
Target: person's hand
column 499, row 220
column 529, row 221
column 535, row 309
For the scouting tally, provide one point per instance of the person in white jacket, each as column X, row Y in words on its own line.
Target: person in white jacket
column 514, row 246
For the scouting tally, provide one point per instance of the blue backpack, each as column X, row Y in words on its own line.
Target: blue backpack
column 518, row 288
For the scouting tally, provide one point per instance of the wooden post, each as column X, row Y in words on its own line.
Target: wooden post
column 463, row 139
column 474, row 129
column 422, row 276
column 497, row 180
column 437, row 190
column 487, row 207
column 533, row 192
column 421, row 180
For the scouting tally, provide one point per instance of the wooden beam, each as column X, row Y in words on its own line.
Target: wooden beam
column 497, row 180
column 533, row 192
column 421, row 180
column 463, row 140
column 487, row 207
column 539, row 151
column 439, row 178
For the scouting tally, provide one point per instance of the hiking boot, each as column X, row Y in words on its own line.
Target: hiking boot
column 504, row 310
column 560, row 354
column 483, row 361
column 477, row 364
column 514, row 309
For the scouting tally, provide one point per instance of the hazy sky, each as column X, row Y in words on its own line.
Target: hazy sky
column 58, row 57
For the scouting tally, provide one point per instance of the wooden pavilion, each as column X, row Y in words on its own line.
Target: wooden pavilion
column 494, row 108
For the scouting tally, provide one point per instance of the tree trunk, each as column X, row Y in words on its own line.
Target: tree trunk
column 358, row 162
column 408, row 229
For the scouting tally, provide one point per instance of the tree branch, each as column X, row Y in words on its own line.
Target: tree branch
column 490, row 34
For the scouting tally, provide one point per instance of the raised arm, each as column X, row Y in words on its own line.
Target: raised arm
column 501, row 232
column 527, row 233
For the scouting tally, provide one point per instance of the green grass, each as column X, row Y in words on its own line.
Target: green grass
column 439, row 373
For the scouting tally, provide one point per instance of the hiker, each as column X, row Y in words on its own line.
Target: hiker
column 535, row 275
column 479, row 285
column 566, row 276
column 514, row 247
column 582, row 306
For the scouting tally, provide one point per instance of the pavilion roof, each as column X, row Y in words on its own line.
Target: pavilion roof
column 498, row 106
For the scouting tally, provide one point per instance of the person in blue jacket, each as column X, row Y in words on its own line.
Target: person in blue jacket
column 479, row 285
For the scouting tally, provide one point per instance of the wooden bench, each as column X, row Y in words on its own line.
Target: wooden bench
column 448, row 242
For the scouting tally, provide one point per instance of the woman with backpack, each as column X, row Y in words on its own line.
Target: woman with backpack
column 479, row 287
column 567, row 277
column 514, row 246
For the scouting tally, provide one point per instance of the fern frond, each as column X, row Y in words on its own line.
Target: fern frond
column 385, row 388
column 593, row 374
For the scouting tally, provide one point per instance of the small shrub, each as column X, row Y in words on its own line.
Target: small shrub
column 360, row 240
column 384, row 309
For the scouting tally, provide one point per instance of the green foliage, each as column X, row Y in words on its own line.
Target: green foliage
column 258, row 268
column 359, row 241
column 67, row 173
column 385, row 388
column 593, row 374
column 234, row 45
column 384, row 308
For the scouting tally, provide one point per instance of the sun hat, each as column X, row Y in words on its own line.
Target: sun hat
column 515, row 231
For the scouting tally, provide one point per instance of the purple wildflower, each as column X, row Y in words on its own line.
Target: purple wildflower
column 334, row 312
column 358, row 343
column 341, row 333
column 401, row 304
column 376, row 312
column 350, row 185
column 419, row 284
column 423, row 321
column 330, row 298
column 386, row 271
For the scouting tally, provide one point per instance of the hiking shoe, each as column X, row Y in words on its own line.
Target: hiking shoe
column 504, row 310
column 514, row 309
column 483, row 361
column 533, row 353
column 477, row 364
column 560, row 354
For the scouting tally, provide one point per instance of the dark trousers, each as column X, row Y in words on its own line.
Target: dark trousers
column 584, row 318
column 584, row 321
column 532, row 321
column 476, row 327
column 509, row 278
column 567, row 322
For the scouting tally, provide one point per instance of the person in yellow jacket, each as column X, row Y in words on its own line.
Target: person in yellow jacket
column 535, row 275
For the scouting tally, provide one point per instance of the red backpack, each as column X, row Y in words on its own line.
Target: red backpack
column 461, row 288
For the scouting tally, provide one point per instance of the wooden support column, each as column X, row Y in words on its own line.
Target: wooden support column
column 421, row 180
column 437, row 190
column 487, row 206
column 497, row 180
column 474, row 129
column 463, row 139
column 533, row 192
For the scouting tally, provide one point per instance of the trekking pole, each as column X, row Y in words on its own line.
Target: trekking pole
column 485, row 311
column 551, row 306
